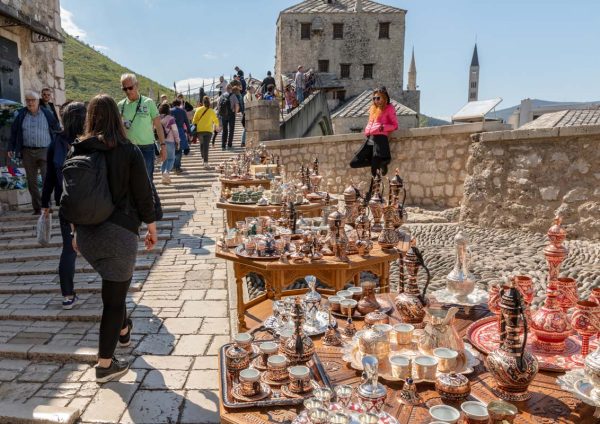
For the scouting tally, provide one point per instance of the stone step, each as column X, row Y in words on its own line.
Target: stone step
column 23, row 231
column 55, row 288
column 51, row 267
column 55, row 241
column 44, row 253
column 36, row 413
column 52, row 352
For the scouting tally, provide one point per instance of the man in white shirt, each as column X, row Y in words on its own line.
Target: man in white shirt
column 299, row 80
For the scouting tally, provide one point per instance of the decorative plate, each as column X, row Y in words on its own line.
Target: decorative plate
column 285, row 390
column 575, row 382
column 483, row 334
column 477, row 297
column 354, row 410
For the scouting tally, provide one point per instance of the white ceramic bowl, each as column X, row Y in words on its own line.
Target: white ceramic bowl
column 444, row 413
column 475, row 410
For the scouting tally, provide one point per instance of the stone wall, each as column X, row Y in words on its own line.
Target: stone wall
column 522, row 178
column 42, row 62
column 262, row 121
column 432, row 161
column 360, row 45
column 311, row 118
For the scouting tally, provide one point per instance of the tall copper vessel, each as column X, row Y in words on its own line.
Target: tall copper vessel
column 411, row 302
column 512, row 366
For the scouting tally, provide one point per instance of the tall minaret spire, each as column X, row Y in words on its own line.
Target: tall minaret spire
column 474, row 76
column 412, row 73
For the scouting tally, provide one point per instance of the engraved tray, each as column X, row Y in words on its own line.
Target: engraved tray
column 240, row 251
column 276, row 399
column 249, row 202
column 386, row 307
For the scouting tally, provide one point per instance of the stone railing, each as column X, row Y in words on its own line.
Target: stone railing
column 521, row 178
column 432, row 161
column 311, row 118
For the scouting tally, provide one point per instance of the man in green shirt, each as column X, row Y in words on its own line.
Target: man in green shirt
column 140, row 118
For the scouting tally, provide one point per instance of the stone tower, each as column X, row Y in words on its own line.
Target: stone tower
column 474, row 76
column 412, row 73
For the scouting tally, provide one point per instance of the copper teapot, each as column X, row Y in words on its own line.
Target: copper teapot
column 411, row 302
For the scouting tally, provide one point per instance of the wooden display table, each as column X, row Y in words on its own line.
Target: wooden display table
column 548, row 405
column 229, row 183
column 237, row 212
column 278, row 275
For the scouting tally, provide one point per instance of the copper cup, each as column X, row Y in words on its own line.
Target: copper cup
column 334, row 301
column 501, row 411
column 277, row 366
column 299, row 379
column 245, row 340
column 356, row 292
column 348, row 305
column 250, row 382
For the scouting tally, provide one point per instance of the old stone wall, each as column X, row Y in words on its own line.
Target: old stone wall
column 432, row 161
column 360, row 45
column 262, row 122
column 311, row 118
column 42, row 62
column 522, row 178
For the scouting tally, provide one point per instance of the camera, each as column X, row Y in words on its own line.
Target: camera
column 127, row 124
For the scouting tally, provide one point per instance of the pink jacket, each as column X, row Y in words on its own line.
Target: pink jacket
column 388, row 119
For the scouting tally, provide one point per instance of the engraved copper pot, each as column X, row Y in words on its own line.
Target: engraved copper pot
column 299, row 348
column 368, row 302
column 411, row 302
column 236, row 359
column 512, row 366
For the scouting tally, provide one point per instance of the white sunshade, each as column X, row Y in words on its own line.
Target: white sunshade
column 476, row 110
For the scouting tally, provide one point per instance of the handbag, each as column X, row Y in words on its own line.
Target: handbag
column 158, row 212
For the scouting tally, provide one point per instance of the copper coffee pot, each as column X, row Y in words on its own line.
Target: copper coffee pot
column 411, row 302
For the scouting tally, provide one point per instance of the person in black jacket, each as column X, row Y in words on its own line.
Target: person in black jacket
column 111, row 247
column 73, row 118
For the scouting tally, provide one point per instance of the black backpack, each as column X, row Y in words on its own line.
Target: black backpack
column 86, row 197
column 224, row 105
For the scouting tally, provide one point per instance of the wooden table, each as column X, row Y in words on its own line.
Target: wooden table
column 237, row 212
column 229, row 183
column 279, row 275
column 548, row 405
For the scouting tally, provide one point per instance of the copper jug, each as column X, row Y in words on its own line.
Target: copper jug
column 368, row 302
column 411, row 302
column 440, row 331
column 512, row 366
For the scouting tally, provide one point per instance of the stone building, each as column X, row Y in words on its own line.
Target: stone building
column 353, row 116
column 31, row 54
column 360, row 41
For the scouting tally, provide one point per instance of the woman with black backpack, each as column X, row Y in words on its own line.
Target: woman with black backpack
column 111, row 246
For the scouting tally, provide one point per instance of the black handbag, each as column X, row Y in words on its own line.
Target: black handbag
column 158, row 212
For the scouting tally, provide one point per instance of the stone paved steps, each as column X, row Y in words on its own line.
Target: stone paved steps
column 28, row 231
column 54, row 352
column 51, row 266
column 17, row 413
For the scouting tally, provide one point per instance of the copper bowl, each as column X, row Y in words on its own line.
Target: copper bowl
column 453, row 387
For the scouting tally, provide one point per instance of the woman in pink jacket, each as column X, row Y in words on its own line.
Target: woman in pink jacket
column 375, row 152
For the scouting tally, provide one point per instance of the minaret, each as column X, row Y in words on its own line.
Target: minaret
column 412, row 73
column 474, row 76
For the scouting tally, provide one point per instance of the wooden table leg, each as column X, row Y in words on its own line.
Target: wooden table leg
column 241, row 306
column 384, row 279
column 357, row 279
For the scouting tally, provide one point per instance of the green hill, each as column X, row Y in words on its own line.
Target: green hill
column 88, row 72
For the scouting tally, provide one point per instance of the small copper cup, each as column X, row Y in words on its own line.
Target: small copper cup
column 299, row 379
column 277, row 366
column 404, row 334
column 250, row 382
column 334, row 301
column 267, row 349
column 348, row 305
column 356, row 292
column 245, row 340
column 501, row 411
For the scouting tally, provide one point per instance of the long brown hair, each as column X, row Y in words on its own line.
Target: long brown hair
column 104, row 121
column 376, row 111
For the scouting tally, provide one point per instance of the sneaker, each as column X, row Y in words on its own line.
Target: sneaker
column 166, row 178
column 206, row 164
column 178, row 171
column 36, row 212
column 68, row 303
column 117, row 369
column 126, row 339
column 384, row 170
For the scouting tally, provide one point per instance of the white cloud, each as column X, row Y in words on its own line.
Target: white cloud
column 195, row 83
column 210, row 56
column 69, row 25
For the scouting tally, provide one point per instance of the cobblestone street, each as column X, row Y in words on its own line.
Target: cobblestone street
column 178, row 302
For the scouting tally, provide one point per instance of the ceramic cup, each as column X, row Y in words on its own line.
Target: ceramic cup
column 343, row 394
column 339, row 418
column 368, row 418
column 250, row 382
column 475, row 412
column 267, row 349
column 299, row 379
column 385, row 329
column 356, row 292
column 318, row 416
column 245, row 340
column 404, row 333
column 277, row 366
column 447, row 359
column 346, row 294
column 348, row 304
column 401, row 366
column 324, row 394
column 334, row 301
column 444, row 413
column 500, row 411
column 312, row 403
column 425, row 367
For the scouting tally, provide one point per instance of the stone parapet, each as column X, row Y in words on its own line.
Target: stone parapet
column 262, row 121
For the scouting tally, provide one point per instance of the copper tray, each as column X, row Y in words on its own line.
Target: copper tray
column 276, row 398
column 386, row 307
column 240, row 251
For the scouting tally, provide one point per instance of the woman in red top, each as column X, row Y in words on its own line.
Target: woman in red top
column 375, row 152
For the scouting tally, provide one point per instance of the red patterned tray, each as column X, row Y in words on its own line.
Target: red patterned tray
column 483, row 334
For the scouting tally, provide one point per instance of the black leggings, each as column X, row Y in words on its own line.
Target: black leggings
column 114, row 315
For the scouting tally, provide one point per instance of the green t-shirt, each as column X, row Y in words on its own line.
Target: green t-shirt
column 141, row 131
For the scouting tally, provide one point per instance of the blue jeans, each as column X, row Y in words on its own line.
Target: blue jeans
column 66, row 266
column 168, row 164
column 149, row 155
column 177, row 162
column 300, row 95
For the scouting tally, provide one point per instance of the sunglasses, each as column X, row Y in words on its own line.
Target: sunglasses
column 127, row 88
column 376, row 98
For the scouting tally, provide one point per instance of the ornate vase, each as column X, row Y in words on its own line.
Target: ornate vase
column 411, row 302
column 376, row 203
column 312, row 300
column 460, row 281
column 511, row 365
column 389, row 237
column 299, row 348
column 586, row 322
column 351, row 204
column 568, row 297
column 371, row 393
column 368, row 302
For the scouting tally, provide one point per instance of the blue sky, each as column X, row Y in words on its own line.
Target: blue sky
column 543, row 49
